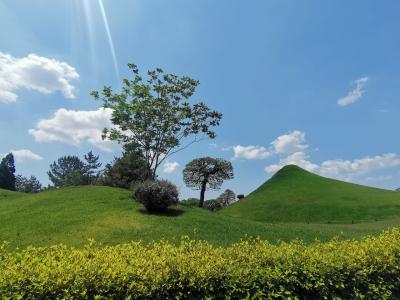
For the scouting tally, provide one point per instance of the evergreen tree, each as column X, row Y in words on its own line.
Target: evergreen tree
column 126, row 171
column 27, row 185
column 7, row 170
column 67, row 170
column 92, row 166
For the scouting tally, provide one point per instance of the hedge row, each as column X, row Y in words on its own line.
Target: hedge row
column 367, row 269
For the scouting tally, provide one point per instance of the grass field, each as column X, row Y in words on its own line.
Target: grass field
column 108, row 215
column 295, row 195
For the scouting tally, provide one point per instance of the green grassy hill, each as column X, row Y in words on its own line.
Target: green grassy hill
column 295, row 195
column 108, row 215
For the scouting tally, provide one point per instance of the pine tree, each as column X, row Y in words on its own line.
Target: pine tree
column 67, row 171
column 92, row 165
column 7, row 170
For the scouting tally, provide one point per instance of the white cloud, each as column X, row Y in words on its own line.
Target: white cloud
column 170, row 167
column 355, row 94
column 298, row 158
column 347, row 169
column 289, row 143
column 250, row 152
column 37, row 73
column 74, row 127
column 22, row 155
column 340, row 169
column 285, row 144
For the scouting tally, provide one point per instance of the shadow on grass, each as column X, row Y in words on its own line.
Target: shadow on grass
column 171, row 212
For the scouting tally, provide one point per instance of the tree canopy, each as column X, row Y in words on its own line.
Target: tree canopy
column 27, row 185
column 126, row 171
column 205, row 172
column 67, row 170
column 226, row 198
column 7, row 172
column 155, row 114
column 92, row 166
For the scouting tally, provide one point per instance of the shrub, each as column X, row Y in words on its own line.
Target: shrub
column 251, row 269
column 240, row 196
column 157, row 196
column 213, row 204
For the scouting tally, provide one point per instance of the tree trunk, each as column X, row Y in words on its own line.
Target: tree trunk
column 203, row 190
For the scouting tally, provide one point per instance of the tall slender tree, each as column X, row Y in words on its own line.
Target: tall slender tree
column 7, row 172
column 92, row 166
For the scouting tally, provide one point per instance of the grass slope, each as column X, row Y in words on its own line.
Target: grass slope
column 108, row 215
column 295, row 195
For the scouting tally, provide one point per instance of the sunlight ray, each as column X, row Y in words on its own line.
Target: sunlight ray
column 110, row 40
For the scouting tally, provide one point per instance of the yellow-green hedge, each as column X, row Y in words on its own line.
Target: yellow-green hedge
column 367, row 269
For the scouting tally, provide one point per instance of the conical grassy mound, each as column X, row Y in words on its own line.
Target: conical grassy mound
column 296, row 195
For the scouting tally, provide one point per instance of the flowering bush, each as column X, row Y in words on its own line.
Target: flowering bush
column 157, row 196
column 367, row 269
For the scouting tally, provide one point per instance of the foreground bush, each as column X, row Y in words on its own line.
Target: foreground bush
column 157, row 195
column 368, row 269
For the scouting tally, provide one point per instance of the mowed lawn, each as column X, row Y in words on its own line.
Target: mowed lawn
column 110, row 216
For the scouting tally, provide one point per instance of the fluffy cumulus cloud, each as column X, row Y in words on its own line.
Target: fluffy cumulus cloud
column 289, row 143
column 74, row 127
column 355, row 94
column 348, row 169
column 341, row 169
column 170, row 167
column 285, row 144
column 250, row 152
column 292, row 149
column 298, row 158
column 22, row 155
column 37, row 73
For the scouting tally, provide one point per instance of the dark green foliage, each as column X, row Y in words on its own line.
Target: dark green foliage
column 240, row 196
column 7, row 170
column 126, row 171
column 226, row 198
column 155, row 115
column 68, row 171
column 27, row 185
column 205, row 172
column 157, row 196
column 190, row 202
column 92, row 166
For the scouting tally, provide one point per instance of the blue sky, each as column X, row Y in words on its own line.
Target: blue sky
column 316, row 83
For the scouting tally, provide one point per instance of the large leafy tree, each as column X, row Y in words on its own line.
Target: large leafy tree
column 7, row 172
column 155, row 115
column 68, row 170
column 205, row 172
column 227, row 198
